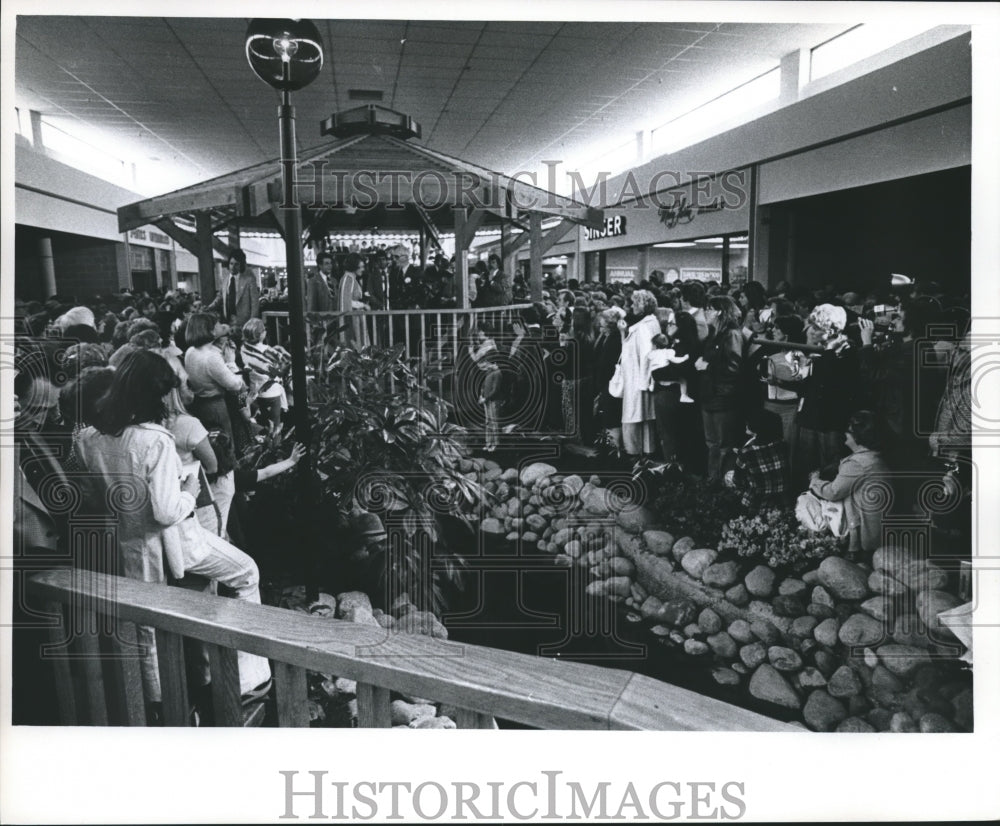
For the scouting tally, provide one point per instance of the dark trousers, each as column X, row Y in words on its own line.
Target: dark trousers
column 812, row 450
column 723, row 429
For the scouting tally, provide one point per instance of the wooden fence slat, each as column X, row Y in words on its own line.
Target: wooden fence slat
column 467, row 718
column 89, row 674
column 173, row 679
column 65, row 695
column 123, row 677
column 291, row 695
column 225, row 686
column 373, row 706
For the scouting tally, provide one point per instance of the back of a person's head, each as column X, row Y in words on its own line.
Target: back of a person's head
column 80, row 333
column 792, row 326
column 693, row 293
column 80, row 357
column 728, row 310
column 136, row 393
column 78, row 399
column 868, row 429
column 765, row 425
column 755, row 294
column 198, row 329
column 74, row 316
column 920, row 314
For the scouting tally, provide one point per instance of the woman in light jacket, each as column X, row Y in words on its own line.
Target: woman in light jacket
column 862, row 483
column 638, row 414
column 719, row 368
column 157, row 530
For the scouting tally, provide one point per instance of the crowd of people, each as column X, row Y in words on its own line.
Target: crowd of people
column 775, row 392
column 787, row 395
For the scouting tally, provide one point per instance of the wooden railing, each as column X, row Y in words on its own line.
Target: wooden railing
column 97, row 678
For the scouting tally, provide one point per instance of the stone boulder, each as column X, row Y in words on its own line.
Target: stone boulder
column 535, row 472
column 921, row 575
column 740, row 631
column 725, row 676
column 422, row 622
column 738, row 595
column 843, row 578
column 434, row 723
column 723, row 645
column 721, row 574
column 844, row 682
column 902, row 660
column 855, row 725
column 753, row 654
column 826, row 632
column 352, row 599
column 822, row 712
column 635, row 520
column 784, row 659
column 403, row 713
column 788, row 605
column 877, row 607
column 768, row 685
column 881, row 583
column 681, row 547
column 804, row 626
column 791, row 587
column 362, row 616
column 930, row 604
column 677, row 612
column 709, row 621
column 811, row 677
column 760, row 582
column 860, row 629
column 695, row 562
column 695, row 647
column 658, row 542
column 491, row 525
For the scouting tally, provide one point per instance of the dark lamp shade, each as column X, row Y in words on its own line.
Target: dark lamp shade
column 285, row 54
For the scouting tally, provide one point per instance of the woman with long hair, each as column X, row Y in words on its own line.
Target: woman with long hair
column 607, row 350
column 131, row 449
column 719, row 367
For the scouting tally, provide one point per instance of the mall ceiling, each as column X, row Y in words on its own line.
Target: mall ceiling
column 506, row 95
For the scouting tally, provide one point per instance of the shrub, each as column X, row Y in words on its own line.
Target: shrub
column 695, row 507
column 774, row 537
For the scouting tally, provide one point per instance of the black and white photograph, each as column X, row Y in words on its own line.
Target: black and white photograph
column 547, row 370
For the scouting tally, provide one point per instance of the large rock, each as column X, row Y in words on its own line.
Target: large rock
column 361, row 615
column 404, row 714
column 821, row 612
column 573, row 485
column 768, row 685
column 932, row 603
column 434, row 722
column 509, row 476
column 844, row 682
column 765, row 632
column 658, row 542
column 635, row 520
column 738, row 595
column 651, row 607
column 760, row 582
column 962, row 704
column 820, row 596
column 855, row 725
column 891, row 559
column 877, row 607
column 678, row 612
column 740, row 631
column 791, row 587
column 535, row 472
column 881, row 583
column 352, row 599
column 695, row 647
column 934, row 723
column 709, row 621
column 753, row 654
column 536, row 523
column 909, row 629
column 725, row 676
column 811, row 677
column 844, row 579
column 860, row 629
column 595, row 501
column 723, row 645
column 422, row 622
column 902, row 723
column 921, row 575
column 826, row 632
column 822, row 712
column 883, row 680
column 721, row 574
column 784, row 659
column 682, row 546
column 902, row 660
column 696, row 561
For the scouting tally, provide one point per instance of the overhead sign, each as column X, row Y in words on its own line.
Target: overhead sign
column 614, row 226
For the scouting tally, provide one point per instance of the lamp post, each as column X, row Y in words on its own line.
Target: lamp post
column 288, row 55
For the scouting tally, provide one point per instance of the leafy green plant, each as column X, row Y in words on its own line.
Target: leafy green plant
column 774, row 537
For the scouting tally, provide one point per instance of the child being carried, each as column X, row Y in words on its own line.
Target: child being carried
column 661, row 355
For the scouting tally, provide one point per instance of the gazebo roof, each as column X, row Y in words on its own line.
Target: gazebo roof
column 360, row 181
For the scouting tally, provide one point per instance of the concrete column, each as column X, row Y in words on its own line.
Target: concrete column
column 642, row 261
column 48, row 266
column 794, row 74
column 36, row 130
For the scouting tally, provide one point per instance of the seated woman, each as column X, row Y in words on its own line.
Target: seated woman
column 265, row 365
column 761, row 472
column 159, row 532
column 857, row 484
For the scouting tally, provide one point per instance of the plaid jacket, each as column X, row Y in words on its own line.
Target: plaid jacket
column 761, row 473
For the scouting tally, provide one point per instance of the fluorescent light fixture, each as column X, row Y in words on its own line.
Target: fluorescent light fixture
column 856, row 44
column 708, row 240
column 675, row 244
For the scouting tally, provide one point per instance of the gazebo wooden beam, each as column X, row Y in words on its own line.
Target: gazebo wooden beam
column 536, row 256
column 139, row 214
column 461, row 260
column 473, row 221
column 555, row 235
column 206, row 261
column 189, row 240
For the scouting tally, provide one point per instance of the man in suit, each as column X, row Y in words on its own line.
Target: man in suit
column 239, row 300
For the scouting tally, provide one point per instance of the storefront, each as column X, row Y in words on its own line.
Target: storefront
column 695, row 230
column 151, row 260
column 852, row 213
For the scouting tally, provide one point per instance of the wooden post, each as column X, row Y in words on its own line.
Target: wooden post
column 206, row 260
column 536, row 256
column 461, row 260
column 725, row 260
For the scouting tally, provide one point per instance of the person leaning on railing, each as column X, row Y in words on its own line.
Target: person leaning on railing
column 159, row 534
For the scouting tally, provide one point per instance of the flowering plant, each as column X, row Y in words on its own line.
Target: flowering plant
column 774, row 536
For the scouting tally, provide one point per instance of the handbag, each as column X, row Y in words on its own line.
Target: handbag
column 616, row 387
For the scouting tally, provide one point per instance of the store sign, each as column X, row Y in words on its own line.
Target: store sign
column 681, row 211
column 153, row 237
column 614, row 226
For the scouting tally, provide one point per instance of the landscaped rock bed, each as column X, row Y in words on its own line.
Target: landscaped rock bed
column 846, row 646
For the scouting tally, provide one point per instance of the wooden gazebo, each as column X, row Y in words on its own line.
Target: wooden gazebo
column 373, row 174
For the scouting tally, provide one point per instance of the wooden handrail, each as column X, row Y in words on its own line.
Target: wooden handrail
column 415, row 312
column 539, row 692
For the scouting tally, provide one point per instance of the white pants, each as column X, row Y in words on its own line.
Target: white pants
column 229, row 566
column 223, row 491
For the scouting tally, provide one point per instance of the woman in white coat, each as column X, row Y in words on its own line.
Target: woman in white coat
column 638, row 413
column 157, row 530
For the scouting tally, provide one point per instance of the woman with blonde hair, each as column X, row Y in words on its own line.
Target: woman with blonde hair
column 638, row 413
